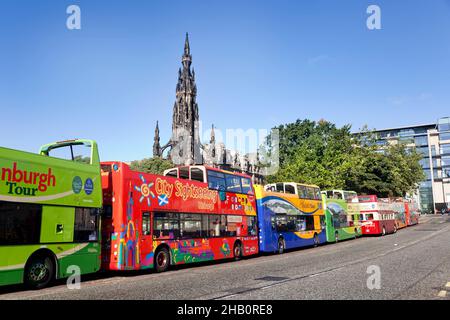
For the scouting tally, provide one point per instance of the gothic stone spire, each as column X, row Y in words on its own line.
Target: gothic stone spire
column 185, row 131
column 156, row 145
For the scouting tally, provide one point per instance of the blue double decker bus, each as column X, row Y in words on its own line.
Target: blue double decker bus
column 290, row 215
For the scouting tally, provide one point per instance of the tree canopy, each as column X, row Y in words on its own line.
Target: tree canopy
column 334, row 158
column 154, row 165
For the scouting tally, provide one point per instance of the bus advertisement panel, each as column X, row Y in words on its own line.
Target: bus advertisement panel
column 154, row 221
column 290, row 215
column 49, row 211
column 412, row 212
column 400, row 212
column 342, row 215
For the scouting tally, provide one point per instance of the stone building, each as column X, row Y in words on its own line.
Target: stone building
column 184, row 146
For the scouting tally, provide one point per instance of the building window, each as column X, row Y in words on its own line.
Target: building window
column 444, row 124
column 445, row 149
column 425, row 162
column 421, row 141
column 444, row 136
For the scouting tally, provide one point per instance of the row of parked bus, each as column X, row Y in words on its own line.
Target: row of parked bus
column 59, row 213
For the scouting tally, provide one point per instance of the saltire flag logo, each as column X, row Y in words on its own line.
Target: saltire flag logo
column 163, row 200
column 145, row 190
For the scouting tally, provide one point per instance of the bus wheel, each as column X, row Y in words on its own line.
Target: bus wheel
column 39, row 272
column 162, row 260
column 237, row 251
column 395, row 229
column 316, row 240
column 384, row 231
column 281, row 246
column 356, row 233
column 336, row 236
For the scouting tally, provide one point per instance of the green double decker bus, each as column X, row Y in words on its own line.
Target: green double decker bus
column 50, row 206
column 342, row 215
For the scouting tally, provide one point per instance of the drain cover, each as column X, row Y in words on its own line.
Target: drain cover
column 272, row 278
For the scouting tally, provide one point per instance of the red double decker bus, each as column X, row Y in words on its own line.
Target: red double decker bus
column 378, row 217
column 154, row 221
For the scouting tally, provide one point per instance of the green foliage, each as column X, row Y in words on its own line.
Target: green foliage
column 151, row 165
column 320, row 153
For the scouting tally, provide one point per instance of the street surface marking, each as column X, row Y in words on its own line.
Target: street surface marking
column 442, row 293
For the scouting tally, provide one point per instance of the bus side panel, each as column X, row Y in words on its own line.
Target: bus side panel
column 267, row 236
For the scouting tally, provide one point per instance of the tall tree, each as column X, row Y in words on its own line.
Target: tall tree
column 155, row 165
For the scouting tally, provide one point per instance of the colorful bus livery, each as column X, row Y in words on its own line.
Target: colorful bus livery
column 49, row 212
column 25, row 177
column 154, row 221
column 290, row 215
column 342, row 215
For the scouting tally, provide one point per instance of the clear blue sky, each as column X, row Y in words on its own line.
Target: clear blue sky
column 258, row 64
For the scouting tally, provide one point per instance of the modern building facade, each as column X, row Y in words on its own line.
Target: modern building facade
column 433, row 142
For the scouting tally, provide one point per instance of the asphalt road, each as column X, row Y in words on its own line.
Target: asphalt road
column 414, row 263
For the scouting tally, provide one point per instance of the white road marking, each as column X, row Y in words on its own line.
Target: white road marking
column 448, row 285
column 442, row 293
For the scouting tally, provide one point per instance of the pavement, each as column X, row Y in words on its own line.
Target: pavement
column 414, row 263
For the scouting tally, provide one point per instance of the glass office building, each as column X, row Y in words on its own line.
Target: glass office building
column 433, row 142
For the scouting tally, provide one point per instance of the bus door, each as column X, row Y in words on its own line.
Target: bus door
column 146, row 240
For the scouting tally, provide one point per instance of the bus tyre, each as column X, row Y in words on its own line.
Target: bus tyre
column 39, row 272
column 281, row 246
column 383, row 232
column 395, row 229
column 336, row 236
column 237, row 251
column 162, row 260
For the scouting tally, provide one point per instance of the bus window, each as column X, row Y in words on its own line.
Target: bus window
column 233, row 183
column 80, row 152
column 337, row 195
column 291, row 223
column 310, row 193
column 234, row 224
column 197, row 174
column 251, row 226
column 246, row 186
column 184, row 173
column 190, row 225
column 288, row 188
column 216, row 180
column 214, row 225
column 166, row 225
column 146, row 223
column 301, row 223
column 317, row 193
column 280, row 187
column 309, row 220
column 20, row 223
column 280, row 223
column 369, row 216
column 302, row 194
column 330, row 194
column 172, row 173
column 85, row 228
